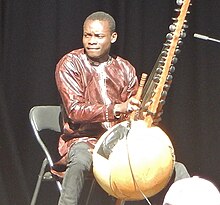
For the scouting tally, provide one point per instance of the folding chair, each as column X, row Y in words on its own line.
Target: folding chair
column 47, row 118
column 44, row 118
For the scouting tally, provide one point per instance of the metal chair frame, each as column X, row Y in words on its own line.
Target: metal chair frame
column 47, row 118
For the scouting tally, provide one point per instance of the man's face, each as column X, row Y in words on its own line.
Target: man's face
column 97, row 39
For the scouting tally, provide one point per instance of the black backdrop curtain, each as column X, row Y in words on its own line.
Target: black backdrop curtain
column 36, row 34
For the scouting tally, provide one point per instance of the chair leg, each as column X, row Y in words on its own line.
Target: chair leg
column 119, row 202
column 40, row 177
column 59, row 186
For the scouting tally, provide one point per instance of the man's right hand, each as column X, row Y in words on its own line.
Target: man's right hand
column 130, row 105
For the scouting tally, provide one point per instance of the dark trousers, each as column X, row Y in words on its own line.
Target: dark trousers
column 181, row 171
column 79, row 165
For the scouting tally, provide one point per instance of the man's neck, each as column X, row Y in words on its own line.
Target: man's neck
column 96, row 62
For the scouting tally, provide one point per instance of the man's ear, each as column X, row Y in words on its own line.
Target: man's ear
column 114, row 37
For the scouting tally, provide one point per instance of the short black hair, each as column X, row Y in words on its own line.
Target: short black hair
column 103, row 16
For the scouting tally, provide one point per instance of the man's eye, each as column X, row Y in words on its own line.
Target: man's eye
column 100, row 36
column 86, row 35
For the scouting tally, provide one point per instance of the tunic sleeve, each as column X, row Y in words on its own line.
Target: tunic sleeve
column 71, row 86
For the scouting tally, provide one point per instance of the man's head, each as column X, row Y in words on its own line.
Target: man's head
column 192, row 191
column 98, row 35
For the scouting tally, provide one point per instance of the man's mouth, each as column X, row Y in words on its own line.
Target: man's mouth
column 92, row 49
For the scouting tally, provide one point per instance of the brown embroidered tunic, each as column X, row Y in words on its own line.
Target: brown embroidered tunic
column 89, row 92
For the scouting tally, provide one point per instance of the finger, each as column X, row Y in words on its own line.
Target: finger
column 90, row 150
column 160, row 113
column 158, row 119
column 131, row 108
column 135, row 101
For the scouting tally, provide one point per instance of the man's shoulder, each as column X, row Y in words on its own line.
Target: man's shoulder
column 122, row 61
column 70, row 58
column 75, row 53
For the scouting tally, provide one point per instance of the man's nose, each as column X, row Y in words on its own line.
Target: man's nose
column 93, row 40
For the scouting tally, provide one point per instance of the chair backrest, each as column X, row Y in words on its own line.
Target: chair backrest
column 42, row 118
column 45, row 117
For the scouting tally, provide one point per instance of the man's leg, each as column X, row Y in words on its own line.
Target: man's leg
column 180, row 171
column 79, row 165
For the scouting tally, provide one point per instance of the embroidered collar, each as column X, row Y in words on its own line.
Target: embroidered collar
column 95, row 63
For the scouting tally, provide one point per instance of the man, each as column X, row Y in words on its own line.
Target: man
column 96, row 90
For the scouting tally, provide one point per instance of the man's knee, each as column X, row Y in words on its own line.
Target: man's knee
column 181, row 171
column 80, row 155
